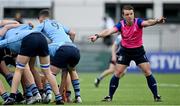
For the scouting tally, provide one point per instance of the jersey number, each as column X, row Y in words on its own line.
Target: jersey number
column 54, row 24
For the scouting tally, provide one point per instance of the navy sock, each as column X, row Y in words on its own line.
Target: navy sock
column 4, row 96
column 152, row 84
column 68, row 93
column 58, row 97
column 48, row 88
column 28, row 92
column 76, row 86
column 9, row 78
column 113, row 85
column 41, row 91
column 12, row 95
column 34, row 89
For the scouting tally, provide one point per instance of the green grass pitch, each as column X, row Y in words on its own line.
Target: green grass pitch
column 132, row 90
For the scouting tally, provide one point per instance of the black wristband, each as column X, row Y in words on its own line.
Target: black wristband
column 97, row 35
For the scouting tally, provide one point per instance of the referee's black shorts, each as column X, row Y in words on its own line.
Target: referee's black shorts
column 125, row 55
column 35, row 44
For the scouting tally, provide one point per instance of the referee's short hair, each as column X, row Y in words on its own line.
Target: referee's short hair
column 45, row 13
column 127, row 7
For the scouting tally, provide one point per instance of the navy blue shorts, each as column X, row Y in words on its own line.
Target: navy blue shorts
column 66, row 56
column 2, row 53
column 33, row 45
column 125, row 55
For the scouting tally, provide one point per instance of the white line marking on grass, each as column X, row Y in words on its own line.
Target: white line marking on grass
column 168, row 85
column 128, row 86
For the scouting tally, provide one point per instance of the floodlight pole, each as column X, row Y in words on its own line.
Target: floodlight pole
column 118, row 10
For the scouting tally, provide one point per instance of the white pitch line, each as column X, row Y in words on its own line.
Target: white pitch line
column 168, row 85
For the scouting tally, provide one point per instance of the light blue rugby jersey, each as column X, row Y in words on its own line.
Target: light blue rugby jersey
column 56, row 32
column 117, row 42
column 53, row 30
column 1, row 36
column 13, row 37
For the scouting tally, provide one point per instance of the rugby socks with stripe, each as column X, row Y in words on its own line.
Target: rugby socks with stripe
column 28, row 92
column 9, row 78
column 48, row 88
column 68, row 93
column 113, row 85
column 76, row 86
column 5, row 96
column 152, row 85
column 33, row 88
column 58, row 97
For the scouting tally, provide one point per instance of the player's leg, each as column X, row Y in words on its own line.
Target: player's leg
column 67, row 59
column 47, row 90
column 68, row 90
column 43, row 53
column 105, row 73
column 9, row 77
column 65, row 83
column 143, row 62
column 3, row 92
column 55, row 71
column 65, row 86
column 114, row 82
column 6, row 73
column 45, row 66
column 76, row 84
column 36, row 74
column 40, row 81
column 7, row 58
column 32, row 92
column 47, row 95
column 62, row 87
column 151, row 81
column 28, row 49
column 20, row 67
column 73, row 60
column 122, row 62
column 110, row 70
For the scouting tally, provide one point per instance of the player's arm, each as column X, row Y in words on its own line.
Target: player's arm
column 151, row 22
column 72, row 34
column 7, row 27
column 5, row 22
column 104, row 33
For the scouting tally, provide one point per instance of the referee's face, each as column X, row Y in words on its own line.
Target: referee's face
column 128, row 15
